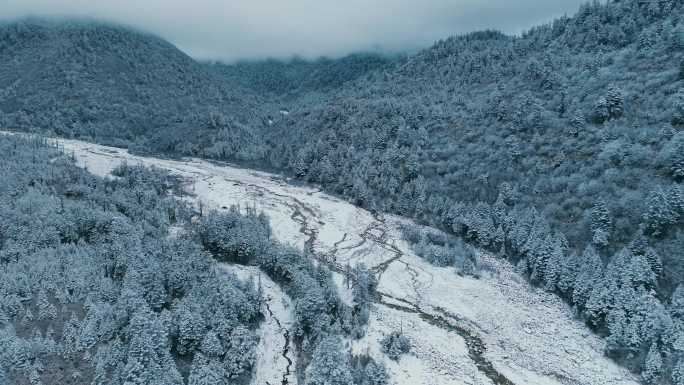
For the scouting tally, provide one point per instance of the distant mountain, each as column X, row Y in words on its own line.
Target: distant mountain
column 107, row 82
column 561, row 149
column 297, row 76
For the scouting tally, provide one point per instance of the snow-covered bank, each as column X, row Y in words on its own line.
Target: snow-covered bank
column 529, row 336
column 275, row 356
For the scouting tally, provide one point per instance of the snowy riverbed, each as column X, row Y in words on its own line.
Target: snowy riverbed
column 493, row 330
column 275, row 361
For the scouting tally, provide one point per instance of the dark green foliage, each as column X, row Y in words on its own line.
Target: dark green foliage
column 442, row 249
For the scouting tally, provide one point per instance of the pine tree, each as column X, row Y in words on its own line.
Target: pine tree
column 46, row 310
column 569, row 270
column 28, row 317
column 659, row 213
column 190, row 328
column 211, row 345
column 615, row 103
column 654, row 261
column 554, row 265
column 677, row 303
column 205, row 371
column 600, row 223
column 578, row 123
column 671, row 158
column 678, row 372
column 395, row 344
column 590, row 275
column 3, row 377
column 675, row 196
column 70, row 334
column 329, row 365
column 678, row 106
column 375, row 374
column 600, row 112
column 639, row 246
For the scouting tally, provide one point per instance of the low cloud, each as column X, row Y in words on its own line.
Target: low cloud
column 251, row 29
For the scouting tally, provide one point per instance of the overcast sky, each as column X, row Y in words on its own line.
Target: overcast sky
column 248, row 29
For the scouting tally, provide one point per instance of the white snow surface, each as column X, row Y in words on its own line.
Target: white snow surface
column 531, row 336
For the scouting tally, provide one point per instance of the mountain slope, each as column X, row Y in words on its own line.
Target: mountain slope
column 562, row 149
column 106, row 82
column 293, row 78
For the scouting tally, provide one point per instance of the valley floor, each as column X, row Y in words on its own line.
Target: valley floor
column 492, row 330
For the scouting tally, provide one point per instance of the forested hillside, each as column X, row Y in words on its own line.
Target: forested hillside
column 116, row 85
column 296, row 77
column 95, row 289
column 92, row 289
column 561, row 149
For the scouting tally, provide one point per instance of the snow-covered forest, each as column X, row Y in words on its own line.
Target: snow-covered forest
column 560, row 151
column 109, row 281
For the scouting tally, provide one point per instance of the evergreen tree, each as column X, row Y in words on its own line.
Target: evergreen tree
column 600, row 223
column 570, row 268
column 395, row 344
column 615, row 103
column 659, row 213
column 678, row 106
column 653, row 366
column 206, row 371
column 329, row 365
column 677, row 303
column 671, row 158
column 46, row 310
column 589, row 277
column 211, row 345
column 375, row 374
